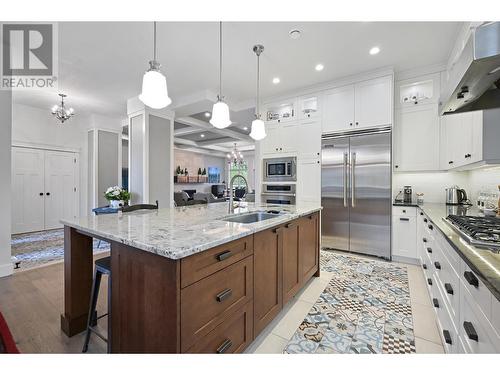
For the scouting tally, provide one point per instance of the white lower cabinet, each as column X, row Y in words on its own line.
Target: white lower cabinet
column 404, row 231
column 467, row 313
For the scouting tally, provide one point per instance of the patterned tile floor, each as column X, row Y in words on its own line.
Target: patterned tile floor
column 365, row 308
column 38, row 249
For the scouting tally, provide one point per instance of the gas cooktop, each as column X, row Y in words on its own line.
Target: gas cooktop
column 478, row 230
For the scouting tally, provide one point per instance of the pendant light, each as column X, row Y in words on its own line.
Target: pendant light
column 220, row 111
column 258, row 128
column 154, row 84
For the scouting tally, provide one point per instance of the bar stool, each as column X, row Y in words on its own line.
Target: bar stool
column 102, row 267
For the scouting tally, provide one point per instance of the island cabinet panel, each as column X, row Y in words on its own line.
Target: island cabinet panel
column 268, row 283
column 214, row 299
column 292, row 272
column 145, row 302
column 203, row 264
column 309, row 246
column 231, row 336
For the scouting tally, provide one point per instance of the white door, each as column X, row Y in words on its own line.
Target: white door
column 416, row 139
column 60, row 188
column 338, row 109
column 308, row 135
column 373, row 102
column 27, row 190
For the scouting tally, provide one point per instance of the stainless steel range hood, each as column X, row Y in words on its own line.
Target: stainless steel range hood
column 474, row 79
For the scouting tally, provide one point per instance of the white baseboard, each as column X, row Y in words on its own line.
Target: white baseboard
column 405, row 260
column 6, row 269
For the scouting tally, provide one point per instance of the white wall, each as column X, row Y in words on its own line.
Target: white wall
column 5, row 188
column 487, row 178
column 192, row 161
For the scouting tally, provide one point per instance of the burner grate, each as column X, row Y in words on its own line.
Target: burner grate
column 482, row 230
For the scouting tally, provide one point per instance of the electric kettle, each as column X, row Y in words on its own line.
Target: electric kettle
column 456, row 196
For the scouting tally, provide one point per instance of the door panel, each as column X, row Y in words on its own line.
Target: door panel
column 335, row 193
column 27, row 185
column 370, row 200
column 308, row 245
column 60, row 183
column 373, row 102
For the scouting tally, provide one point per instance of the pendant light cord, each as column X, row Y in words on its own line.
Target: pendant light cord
column 257, row 113
column 220, row 60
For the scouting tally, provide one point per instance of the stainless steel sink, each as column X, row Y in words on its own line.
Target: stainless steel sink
column 251, row 217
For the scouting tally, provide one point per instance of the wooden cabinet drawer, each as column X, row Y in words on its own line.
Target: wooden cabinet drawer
column 231, row 336
column 208, row 302
column 404, row 211
column 201, row 265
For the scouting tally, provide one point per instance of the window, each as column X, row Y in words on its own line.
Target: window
column 241, row 169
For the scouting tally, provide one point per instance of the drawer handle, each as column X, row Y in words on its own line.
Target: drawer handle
column 471, row 279
column 447, row 337
column 223, row 295
column 429, row 250
column 290, row 225
column 430, row 227
column 224, row 255
column 429, row 281
column 404, row 219
column 224, row 346
column 437, row 265
column 449, row 288
column 277, row 230
column 435, row 302
column 424, row 239
column 470, row 331
column 425, row 220
column 424, row 266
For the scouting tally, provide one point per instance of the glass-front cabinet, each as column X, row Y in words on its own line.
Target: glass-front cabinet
column 282, row 111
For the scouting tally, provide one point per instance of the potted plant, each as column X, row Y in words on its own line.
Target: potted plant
column 117, row 196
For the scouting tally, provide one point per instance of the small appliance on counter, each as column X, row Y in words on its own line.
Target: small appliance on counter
column 456, row 196
column 407, row 194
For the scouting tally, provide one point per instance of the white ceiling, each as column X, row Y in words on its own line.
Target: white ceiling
column 101, row 64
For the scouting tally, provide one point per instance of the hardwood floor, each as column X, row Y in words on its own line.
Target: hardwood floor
column 32, row 302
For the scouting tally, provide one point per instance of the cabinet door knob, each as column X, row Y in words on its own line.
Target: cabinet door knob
column 47, row 193
column 424, row 266
column 448, row 288
column 357, row 123
column 41, row 194
column 396, row 166
column 447, row 337
column 421, row 214
column 437, row 265
column 470, row 331
column 350, row 124
column 224, row 346
column 404, row 211
column 424, row 239
column 430, row 227
column 429, row 250
column 471, row 279
column 425, row 220
column 429, row 281
column 450, row 162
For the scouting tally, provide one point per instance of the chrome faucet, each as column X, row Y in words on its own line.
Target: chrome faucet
column 231, row 208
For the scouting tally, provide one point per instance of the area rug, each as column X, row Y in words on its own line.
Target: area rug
column 365, row 308
column 38, row 249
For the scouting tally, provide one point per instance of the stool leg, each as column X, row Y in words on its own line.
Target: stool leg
column 92, row 310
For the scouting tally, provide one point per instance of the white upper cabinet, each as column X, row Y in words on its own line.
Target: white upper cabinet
column 280, row 139
column 416, row 139
column 338, row 112
column 362, row 105
column 373, row 102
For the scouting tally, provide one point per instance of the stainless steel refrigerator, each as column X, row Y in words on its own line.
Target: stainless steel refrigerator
column 356, row 192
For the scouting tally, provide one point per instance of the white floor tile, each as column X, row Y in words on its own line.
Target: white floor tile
column 424, row 323
column 271, row 344
column 289, row 322
column 418, row 287
column 313, row 289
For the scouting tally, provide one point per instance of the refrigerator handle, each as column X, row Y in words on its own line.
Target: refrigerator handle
column 353, row 181
column 345, row 178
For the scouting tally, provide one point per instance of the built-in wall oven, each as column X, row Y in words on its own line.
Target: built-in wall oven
column 280, row 169
column 278, row 193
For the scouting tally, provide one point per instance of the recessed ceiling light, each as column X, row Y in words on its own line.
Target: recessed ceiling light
column 245, row 128
column 207, row 114
column 374, row 50
column 319, row 67
column 276, row 80
column 294, row 34
column 202, row 135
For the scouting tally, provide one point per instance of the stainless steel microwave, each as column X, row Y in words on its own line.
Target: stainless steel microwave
column 280, row 169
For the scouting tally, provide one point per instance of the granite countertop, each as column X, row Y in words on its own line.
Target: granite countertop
column 484, row 262
column 179, row 232
column 406, row 204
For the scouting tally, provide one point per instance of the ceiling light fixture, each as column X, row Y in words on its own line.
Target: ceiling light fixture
column 258, row 128
column 374, row 50
column 235, row 157
column 245, row 128
column 276, row 80
column 60, row 112
column 154, row 84
column 202, row 135
column 220, row 112
column 319, row 67
column 207, row 114
column 294, row 34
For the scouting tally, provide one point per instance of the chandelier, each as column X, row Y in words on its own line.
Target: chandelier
column 235, row 157
column 60, row 112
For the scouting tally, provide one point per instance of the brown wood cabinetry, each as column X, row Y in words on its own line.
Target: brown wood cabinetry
column 309, row 246
column 292, row 270
column 268, row 290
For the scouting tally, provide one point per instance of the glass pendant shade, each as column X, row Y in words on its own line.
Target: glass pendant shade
column 154, row 90
column 258, row 130
column 220, row 115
